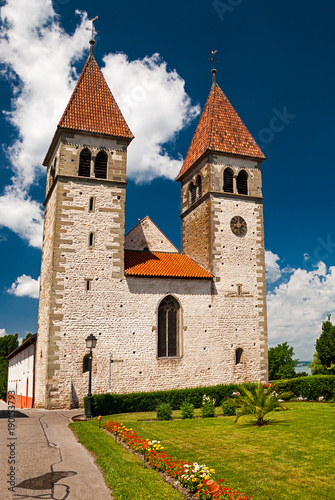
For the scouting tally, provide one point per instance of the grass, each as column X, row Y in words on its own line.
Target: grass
column 293, row 458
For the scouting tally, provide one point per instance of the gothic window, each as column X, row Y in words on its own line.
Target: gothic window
column 100, row 167
column 86, row 363
column 85, row 163
column 238, row 354
column 199, row 186
column 168, row 327
column 228, row 182
column 193, row 193
column 242, row 182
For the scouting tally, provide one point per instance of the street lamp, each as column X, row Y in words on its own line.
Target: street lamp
column 91, row 342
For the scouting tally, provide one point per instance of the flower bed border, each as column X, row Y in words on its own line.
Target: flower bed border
column 175, row 472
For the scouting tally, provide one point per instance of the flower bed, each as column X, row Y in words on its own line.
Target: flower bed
column 192, row 476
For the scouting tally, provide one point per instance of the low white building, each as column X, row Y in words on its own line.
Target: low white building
column 21, row 367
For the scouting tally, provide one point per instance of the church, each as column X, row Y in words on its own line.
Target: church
column 163, row 319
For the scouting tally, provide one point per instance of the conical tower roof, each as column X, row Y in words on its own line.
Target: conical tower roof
column 220, row 130
column 92, row 107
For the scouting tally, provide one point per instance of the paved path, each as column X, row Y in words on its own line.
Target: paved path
column 49, row 462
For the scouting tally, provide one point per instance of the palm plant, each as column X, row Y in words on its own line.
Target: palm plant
column 258, row 402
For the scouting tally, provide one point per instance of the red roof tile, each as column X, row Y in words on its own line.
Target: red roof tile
column 163, row 265
column 92, row 107
column 220, row 129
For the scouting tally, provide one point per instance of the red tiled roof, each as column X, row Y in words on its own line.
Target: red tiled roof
column 92, row 107
column 163, row 265
column 220, row 129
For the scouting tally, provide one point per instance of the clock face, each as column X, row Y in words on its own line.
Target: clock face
column 238, row 225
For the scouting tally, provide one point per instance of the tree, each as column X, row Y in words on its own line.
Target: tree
column 325, row 344
column 7, row 344
column 258, row 402
column 26, row 337
column 316, row 366
column 281, row 362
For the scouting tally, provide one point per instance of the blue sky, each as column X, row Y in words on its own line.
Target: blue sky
column 277, row 69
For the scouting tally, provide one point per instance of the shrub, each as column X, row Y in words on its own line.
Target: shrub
column 208, row 406
column 106, row 404
column 311, row 387
column 229, row 406
column 187, row 410
column 258, row 402
column 286, row 396
column 164, row 411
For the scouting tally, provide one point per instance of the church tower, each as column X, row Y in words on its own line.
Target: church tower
column 83, row 240
column 222, row 229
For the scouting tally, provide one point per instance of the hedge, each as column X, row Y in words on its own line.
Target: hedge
column 107, row 404
column 310, row 387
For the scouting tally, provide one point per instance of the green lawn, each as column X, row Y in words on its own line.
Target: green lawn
column 293, row 458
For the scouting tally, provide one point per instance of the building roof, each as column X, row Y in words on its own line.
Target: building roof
column 146, row 234
column 163, row 265
column 220, row 130
column 31, row 340
column 92, row 107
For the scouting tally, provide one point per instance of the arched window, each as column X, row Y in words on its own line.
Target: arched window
column 238, row 354
column 85, row 163
column 100, row 167
column 168, row 327
column 242, row 182
column 228, row 182
column 199, row 186
column 193, row 193
column 86, row 363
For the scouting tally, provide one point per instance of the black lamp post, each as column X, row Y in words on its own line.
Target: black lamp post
column 91, row 342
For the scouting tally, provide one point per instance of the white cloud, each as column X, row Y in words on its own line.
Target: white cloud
column 22, row 215
column 37, row 58
column 25, row 286
column 156, row 107
column 296, row 309
column 3, row 332
column 272, row 269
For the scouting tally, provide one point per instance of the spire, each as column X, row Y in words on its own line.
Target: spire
column 92, row 107
column 92, row 42
column 214, row 78
column 220, row 130
column 213, row 71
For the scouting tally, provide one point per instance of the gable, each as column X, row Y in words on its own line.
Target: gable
column 146, row 235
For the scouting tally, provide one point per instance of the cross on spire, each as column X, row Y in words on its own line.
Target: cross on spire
column 94, row 32
column 214, row 61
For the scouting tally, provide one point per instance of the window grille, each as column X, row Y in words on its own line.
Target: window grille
column 85, row 163
column 242, row 182
column 100, row 167
column 199, row 186
column 193, row 193
column 228, row 180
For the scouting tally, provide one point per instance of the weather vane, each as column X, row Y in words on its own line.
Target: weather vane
column 94, row 31
column 213, row 58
